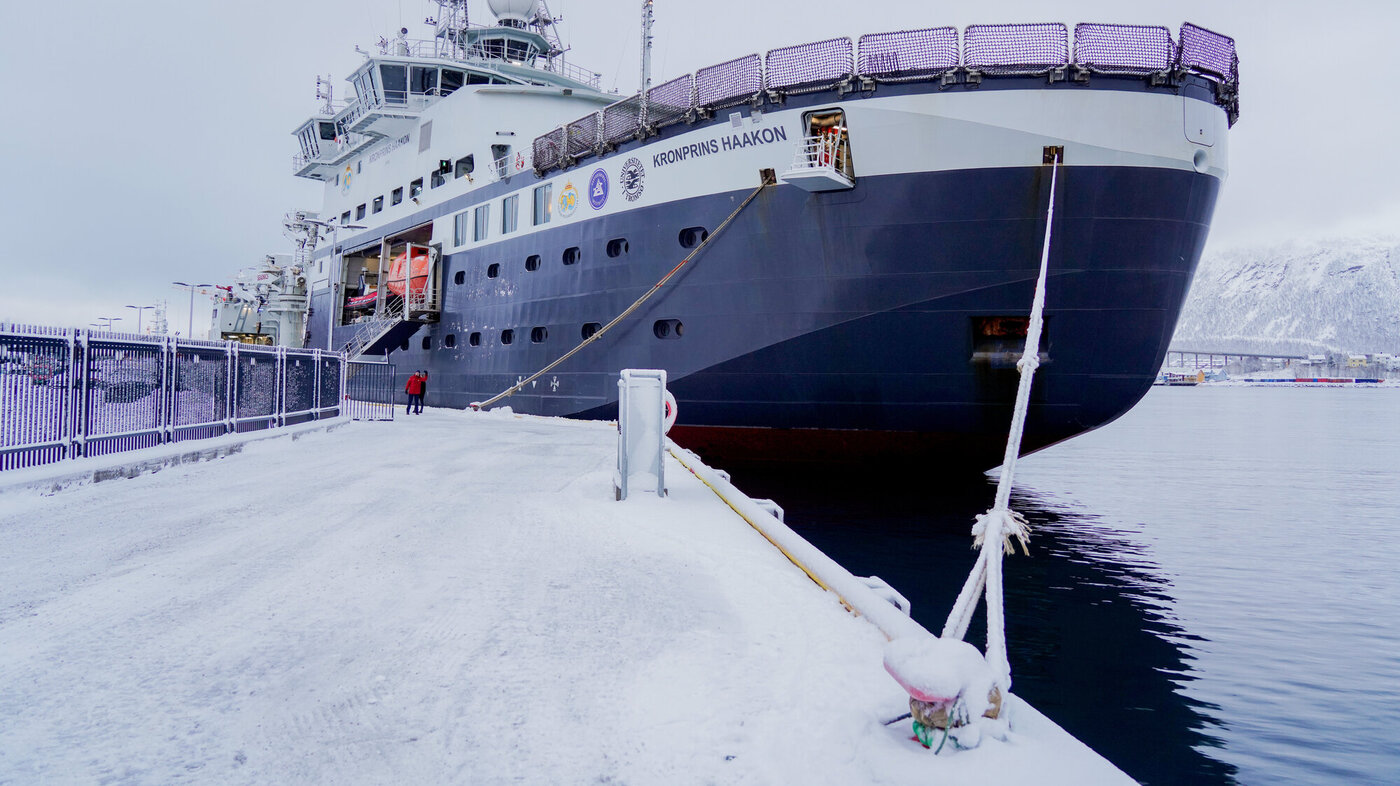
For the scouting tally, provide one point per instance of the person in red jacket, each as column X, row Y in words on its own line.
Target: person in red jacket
column 417, row 384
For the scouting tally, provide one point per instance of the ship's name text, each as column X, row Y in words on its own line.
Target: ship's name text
column 724, row 144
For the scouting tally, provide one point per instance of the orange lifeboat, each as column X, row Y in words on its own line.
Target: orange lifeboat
column 419, row 276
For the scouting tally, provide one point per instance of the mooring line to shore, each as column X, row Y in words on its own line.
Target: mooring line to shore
column 767, row 180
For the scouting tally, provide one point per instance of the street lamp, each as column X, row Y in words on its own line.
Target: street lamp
column 108, row 320
column 189, row 326
column 139, row 310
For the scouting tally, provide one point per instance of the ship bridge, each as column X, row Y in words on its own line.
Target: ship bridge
column 393, row 89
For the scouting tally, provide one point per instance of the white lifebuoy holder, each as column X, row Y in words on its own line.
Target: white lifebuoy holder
column 670, row 417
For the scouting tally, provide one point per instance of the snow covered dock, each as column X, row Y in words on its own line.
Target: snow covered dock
column 449, row 598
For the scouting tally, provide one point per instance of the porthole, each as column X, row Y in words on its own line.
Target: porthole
column 450, row 340
column 572, row 255
column 590, row 328
column 532, row 262
column 427, row 342
column 507, row 336
column 617, row 247
column 538, row 335
column 691, row 237
column 493, row 270
column 459, row 278
column 474, row 339
column 668, row 328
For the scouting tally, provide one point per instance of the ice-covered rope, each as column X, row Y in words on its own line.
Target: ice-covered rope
column 996, row 528
column 519, row 386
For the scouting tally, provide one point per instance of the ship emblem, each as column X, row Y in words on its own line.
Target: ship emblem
column 598, row 189
column 632, row 178
column 568, row 200
column 345, row 180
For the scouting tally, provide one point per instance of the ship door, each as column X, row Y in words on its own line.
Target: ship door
column 822, row 161
column 415, row 276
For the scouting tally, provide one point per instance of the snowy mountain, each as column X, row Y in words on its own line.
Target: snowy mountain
column 1296, row 298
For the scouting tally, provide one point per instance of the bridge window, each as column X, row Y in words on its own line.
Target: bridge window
column 544, row 202
column 327, row 130
column 424, row 82
column 451, row 80
column 395, row 81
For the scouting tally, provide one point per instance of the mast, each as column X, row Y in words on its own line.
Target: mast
column 647, row 19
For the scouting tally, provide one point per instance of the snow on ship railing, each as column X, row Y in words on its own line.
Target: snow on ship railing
column 986, row 51
column 67, row 393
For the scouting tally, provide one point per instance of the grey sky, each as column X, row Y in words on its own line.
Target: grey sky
column 150, row 141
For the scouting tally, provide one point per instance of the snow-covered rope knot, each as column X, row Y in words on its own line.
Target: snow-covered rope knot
column 1010, row 524
column 1028, row 363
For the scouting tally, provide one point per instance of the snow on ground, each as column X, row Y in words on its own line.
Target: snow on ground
column 449, row 598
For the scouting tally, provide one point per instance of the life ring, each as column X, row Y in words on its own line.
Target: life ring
column 669, row 419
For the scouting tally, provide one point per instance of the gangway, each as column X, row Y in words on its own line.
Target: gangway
column 412, row 298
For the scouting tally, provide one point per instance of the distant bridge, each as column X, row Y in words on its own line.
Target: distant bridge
column 1192, row 358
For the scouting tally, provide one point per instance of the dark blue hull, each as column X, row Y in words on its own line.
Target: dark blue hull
column 841, row 325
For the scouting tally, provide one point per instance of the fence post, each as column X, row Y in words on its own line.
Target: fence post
column 68, row 424
column 316, row 381
column 232, row 351
column 81, row 411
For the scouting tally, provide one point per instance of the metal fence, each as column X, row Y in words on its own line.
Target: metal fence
column 70, row 393
column 370, row 389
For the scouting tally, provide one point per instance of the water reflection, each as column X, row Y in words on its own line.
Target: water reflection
column 1092, row 640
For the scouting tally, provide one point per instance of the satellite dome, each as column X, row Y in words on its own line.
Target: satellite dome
column 518, row 11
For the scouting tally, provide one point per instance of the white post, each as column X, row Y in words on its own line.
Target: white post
column 641, row 442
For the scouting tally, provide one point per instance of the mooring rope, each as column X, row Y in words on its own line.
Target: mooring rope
column 996, row 528
column 517, row 387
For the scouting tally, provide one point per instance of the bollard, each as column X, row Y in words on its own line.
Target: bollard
column 641, row 432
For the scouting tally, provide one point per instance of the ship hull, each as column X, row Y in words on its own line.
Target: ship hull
column 844, row 326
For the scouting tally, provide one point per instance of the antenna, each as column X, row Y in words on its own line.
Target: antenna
column 325, row 92
column 647, row 19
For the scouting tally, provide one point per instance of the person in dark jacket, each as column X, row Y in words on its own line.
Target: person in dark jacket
column 416, row 386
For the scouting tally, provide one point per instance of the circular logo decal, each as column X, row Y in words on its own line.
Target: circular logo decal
column 568, row 200
column 598, row 189
column 632, row 179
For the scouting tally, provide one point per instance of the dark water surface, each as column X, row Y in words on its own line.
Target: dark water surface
column 1213, row 590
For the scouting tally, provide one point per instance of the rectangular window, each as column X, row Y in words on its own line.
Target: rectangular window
column 544, row 202
column 424, row 81
column 437, row 179
column 395, row 81
column 483, row 223
column 460, row 223
column 465, row 166
column 415, row 188
column 510, row 213
column 359, row 212
column 327, row 130
column 451, row 80
column 379, row 204
column 345, row 217
column 397, row 196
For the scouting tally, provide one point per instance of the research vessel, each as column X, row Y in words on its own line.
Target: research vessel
column 861, row 220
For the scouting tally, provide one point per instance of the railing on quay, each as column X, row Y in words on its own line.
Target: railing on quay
column 67, row 393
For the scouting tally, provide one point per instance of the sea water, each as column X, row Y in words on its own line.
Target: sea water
column 1213, row 589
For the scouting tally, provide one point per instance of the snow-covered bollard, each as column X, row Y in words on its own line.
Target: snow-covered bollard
column 641, row 431
column 952, row 690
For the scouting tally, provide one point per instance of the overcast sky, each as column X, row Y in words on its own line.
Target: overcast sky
column 150, row 141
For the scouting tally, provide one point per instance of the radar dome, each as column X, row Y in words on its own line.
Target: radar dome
column 512, row 10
